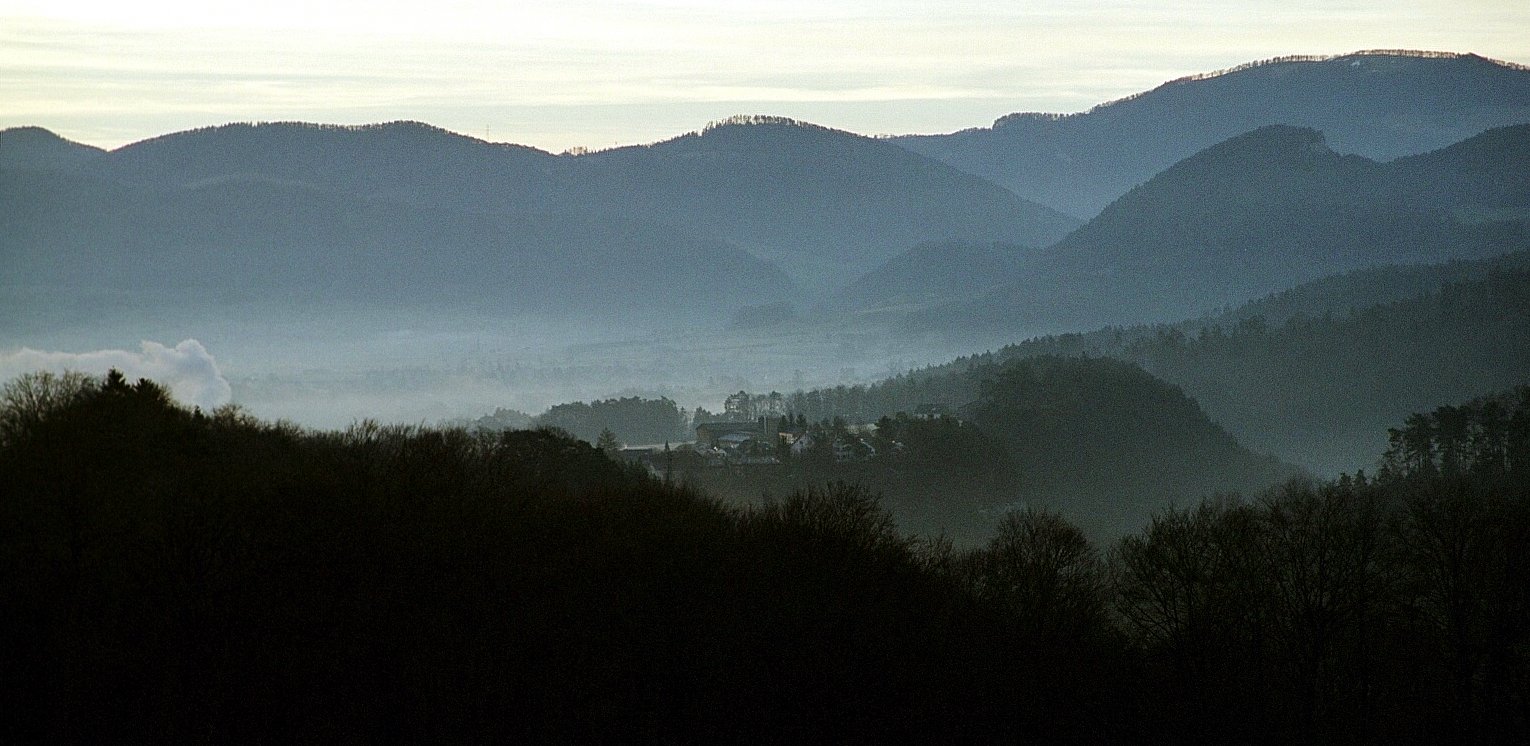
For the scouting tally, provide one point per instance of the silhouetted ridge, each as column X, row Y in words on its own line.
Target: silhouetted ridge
column 714, row 128
column 398, row 128
column 1488, row 148
column 1009, row 119
column 1484, row 179
column 32, row 134
column 752, row 120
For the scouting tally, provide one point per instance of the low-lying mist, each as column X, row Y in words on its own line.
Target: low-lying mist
column 327, row 366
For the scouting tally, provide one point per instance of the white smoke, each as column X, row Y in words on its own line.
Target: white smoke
column 187, row 370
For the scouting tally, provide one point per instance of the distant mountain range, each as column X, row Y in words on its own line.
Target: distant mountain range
column 1221, row 188
column 1381, row 105
column 1253, row 215
column 401, row 203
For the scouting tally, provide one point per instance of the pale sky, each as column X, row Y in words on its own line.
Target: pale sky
column 597, row 73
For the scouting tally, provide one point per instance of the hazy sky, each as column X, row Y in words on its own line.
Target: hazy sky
column 598, row 73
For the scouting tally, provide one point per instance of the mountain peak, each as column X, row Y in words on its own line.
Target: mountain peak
column 292, row 132
column 761, row 120
column 1273, row 151
column 34, row 147
column 753, row 127
column 29, row 131
column 1351, row 58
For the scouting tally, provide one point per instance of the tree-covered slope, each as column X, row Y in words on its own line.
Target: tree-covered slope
column 175, row 575
column 1099, row 439
column 1480, row 179
column 1110, row 444
column 1317, row 380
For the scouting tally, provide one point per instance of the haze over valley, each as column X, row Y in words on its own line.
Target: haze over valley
column 403, row 272
column 1200, row 413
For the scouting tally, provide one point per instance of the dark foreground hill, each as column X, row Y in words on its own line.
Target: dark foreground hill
column 179, row 576
column 175, row 576
column 1381, row 105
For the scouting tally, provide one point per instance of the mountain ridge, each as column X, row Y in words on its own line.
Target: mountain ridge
column 1382, row 104
column 1268, row 62
column 1255, row 214
column 825, row 203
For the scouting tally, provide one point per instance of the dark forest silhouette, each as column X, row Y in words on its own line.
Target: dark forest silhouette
column 176, row 574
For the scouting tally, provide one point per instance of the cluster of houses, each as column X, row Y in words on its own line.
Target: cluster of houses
column 768, row 437
column 763, row 440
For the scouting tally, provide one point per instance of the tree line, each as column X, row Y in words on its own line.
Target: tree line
column 629, row 419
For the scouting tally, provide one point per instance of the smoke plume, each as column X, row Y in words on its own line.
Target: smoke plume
column 187, row 370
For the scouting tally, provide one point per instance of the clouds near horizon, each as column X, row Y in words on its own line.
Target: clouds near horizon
column 559, row 74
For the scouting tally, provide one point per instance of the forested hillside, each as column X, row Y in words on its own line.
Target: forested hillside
column 177, row 575
column 1390, row 608
column 1318, row 389
column 1098, row 439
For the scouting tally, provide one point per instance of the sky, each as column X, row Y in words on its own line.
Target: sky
column 597, row 73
